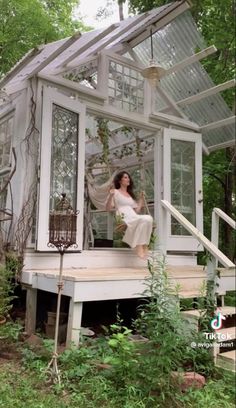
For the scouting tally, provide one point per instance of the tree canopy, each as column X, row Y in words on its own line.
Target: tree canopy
column 25, row 24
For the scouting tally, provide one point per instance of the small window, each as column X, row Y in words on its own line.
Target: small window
column 126, row 88
column 6, row 134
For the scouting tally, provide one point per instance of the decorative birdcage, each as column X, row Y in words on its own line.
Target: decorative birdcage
column 62, row 225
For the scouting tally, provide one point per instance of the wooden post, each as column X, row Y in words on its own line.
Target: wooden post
column 31, row 308
column 74, row 322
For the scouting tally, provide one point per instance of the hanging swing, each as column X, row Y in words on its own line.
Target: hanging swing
column 98, row 194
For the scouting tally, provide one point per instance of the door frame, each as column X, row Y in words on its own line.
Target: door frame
column 181, row 242
column 50, row 97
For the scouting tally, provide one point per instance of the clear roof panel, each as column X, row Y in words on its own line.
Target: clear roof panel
column 172, row 44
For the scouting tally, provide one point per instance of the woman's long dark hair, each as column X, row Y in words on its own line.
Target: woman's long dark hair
column 117, row 180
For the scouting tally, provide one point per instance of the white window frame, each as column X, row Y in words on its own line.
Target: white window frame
column 50, row 97
column 182, row 242
column 5, row 171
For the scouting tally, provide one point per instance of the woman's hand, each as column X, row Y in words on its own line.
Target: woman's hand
column 110, row 203
column 112, row 191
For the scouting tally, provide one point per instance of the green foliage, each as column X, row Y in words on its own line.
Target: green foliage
column 122, row 356
column 10, row 331
column 230, row 298
column 25, row 24
column 220, row 393
column 219, row 190
column 117, row 370
column 7, row 273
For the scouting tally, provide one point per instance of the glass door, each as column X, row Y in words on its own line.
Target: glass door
column 182, row 186
column 62, row 160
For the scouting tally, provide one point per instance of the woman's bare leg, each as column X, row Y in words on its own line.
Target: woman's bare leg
column 145, row 250
column 139, row 251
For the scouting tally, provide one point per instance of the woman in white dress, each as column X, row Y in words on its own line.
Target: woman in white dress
column 139, row 227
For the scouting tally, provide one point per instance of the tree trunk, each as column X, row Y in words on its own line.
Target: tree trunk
column 121, row 11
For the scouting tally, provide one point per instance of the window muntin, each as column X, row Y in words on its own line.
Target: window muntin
column 64, row 155
column 183, row 183
column 6, row 133
column 125, row 87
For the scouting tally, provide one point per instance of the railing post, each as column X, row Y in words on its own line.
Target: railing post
column 211, row 280
column 164, row 225
column 215, row 230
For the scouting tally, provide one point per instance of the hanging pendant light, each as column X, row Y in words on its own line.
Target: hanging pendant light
column 154, row 71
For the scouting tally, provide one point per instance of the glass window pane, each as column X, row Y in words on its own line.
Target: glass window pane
column 6, row 133
column 129, row 88
column 183, row 183
column 64, row 156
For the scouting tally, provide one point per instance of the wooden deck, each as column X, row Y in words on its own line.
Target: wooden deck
column 90, row 284
column 106, row 275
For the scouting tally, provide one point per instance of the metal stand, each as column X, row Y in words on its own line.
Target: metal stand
column 52, row 368
column 62, row 235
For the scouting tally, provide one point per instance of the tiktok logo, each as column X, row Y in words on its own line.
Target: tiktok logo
column 216, row 323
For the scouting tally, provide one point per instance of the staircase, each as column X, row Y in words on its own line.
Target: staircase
column 224, row 341
column 224, row 348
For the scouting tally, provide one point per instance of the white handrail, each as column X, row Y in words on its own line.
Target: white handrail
column 225, row 217
column 217, row 213
column 198, row 235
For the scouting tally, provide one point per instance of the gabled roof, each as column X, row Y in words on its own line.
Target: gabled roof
column 176, row 38
column 122, row 31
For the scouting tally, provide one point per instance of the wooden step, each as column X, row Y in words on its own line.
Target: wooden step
column 190, row 294
column 225, row 310
column 227, row 360
column 227, row 332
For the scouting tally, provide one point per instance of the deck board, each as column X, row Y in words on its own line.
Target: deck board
column 101, row 274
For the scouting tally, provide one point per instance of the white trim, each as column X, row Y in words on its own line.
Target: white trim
column 6, row 114
column 86, row 46
column 190, row 60
column 171, row 102
column 83, row 91
column 61, row 71
column 51, row 96
column 219, row 123
column 158, row 21
column 198, row 235
column 137, row 65
column 219, row 146
column 103, row 73
column 159, row 216
column 14, row 88
column 127, row 27
column 126, row 118
column 21, row 64
column 66, row 44
column 184, row 242
column 173, row 120
column 225, row 217
column 206, row 93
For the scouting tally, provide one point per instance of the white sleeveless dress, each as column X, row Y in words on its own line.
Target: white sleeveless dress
column 139, row 227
